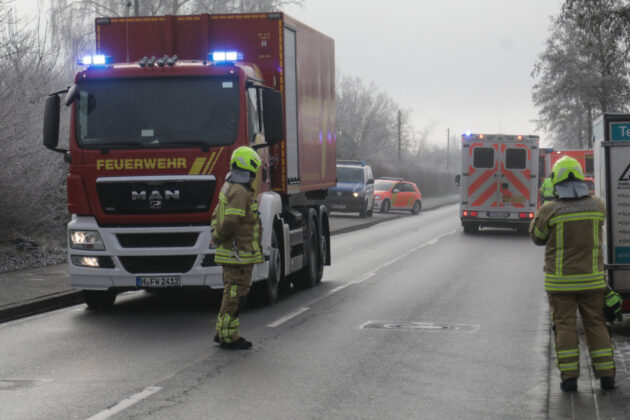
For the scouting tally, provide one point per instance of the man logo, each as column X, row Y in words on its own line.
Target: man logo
column 155, row 195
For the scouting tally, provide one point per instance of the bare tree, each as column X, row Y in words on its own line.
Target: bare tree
column 583, row 69
column 28, row 65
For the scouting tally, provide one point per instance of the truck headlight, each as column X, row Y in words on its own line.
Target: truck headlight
column 355, row 194
column 86, row 239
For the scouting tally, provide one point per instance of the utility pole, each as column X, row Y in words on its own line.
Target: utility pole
column 399, row 138
column 448, row 142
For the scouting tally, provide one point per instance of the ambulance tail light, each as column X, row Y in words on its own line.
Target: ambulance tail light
column 467, row 213
column 526, row 215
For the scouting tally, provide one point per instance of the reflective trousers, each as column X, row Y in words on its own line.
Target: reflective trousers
column 564, row 308
column 236, row 284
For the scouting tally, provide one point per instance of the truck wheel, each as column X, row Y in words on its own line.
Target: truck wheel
column 99, row 299
column 321, row 257
column 417, row 206
column 307, row 276
column 385, row 206
column 275, row 271
column 470, row 227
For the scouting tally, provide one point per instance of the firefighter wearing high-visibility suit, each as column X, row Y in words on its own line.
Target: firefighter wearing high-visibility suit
column 546, row 190
column 571, row 229
column 236, row 231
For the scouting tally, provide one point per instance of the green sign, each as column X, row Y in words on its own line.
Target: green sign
column 620, row 131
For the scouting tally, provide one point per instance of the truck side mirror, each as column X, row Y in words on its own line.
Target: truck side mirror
column 72, row 95
column 457, row 179
column 273, row 117
column 51, row 122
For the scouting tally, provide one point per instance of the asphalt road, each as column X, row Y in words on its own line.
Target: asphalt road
column 413, row 320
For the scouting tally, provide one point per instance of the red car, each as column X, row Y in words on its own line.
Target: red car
column 396, row 194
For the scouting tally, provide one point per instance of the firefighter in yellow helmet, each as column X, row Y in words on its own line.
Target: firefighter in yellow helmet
column 236, row 231
column 571, row 230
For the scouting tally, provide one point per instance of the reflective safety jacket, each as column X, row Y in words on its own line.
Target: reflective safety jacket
column 236, row 226
column 546, row 190
column 572, row 232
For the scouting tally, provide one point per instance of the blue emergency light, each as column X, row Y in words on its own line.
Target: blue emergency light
column 225, row 56
column 94, row 60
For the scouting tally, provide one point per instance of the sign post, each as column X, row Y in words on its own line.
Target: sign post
column 611, row 148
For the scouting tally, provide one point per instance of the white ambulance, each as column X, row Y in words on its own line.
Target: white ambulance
column 499, row 181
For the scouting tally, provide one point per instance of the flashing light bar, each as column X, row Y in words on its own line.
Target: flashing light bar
column 94, row 60
column 225, row 56
column 501, row 137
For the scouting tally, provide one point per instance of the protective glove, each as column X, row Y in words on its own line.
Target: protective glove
column 612, row 306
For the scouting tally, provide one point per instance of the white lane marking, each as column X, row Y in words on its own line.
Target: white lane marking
column 359, row 280
column 364, row 278
column 126, row 403
column 288, row 317
column 338, row 288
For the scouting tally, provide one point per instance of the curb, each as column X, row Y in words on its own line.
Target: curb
column 40, row 305
column 395, row 216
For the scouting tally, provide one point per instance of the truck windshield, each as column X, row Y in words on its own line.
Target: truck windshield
column 158, row 112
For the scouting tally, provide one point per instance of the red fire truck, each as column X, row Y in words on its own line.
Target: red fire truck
column 498, row 183
column 155, row 116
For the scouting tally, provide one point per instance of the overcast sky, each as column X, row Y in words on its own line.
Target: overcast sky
column 463, row 64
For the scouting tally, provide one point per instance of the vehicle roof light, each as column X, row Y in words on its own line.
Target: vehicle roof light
column 96, row 60
column 225, row 56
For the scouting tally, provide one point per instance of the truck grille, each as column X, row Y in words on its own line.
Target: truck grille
column 156, row 195
column 157, row 240
column 159, row 264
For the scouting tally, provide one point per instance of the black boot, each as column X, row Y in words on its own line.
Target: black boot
column 240, row 344
column 569, row 385
column 607, row 382
column 216, row 338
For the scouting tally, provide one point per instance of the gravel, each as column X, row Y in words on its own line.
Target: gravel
column 22, row 254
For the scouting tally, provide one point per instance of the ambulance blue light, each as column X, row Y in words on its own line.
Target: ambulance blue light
column 225, row 56
column 467, row 133
column 94, row 60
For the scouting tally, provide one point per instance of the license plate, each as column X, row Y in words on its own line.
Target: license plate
column 338, row 206
column 498, row 214
column 159, row 281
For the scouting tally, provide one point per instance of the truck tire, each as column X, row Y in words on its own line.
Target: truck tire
column 470, row 227
column 307, row 276
column 274, row 277
column 385, row 206
column 417, row 206
column 99, row 300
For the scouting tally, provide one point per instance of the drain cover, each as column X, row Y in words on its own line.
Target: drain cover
column 420, row 326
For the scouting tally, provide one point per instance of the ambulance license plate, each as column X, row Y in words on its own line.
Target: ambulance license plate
column 498, row 214
column 159, row 281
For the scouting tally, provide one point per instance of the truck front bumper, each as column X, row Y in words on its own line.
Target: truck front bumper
column 146, row 257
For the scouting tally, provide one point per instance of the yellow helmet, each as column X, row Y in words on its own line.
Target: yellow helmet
column 245, row 158
column 566, row 168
